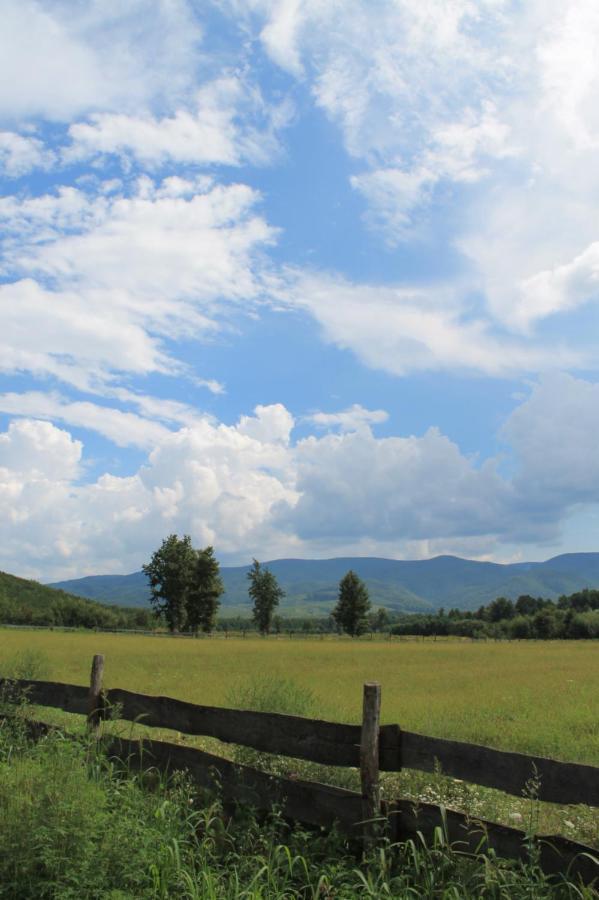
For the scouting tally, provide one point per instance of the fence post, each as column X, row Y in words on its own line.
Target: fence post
column 369, row 761
column 96, row 700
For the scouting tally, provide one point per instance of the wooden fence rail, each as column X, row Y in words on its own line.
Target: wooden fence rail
column 370, row 748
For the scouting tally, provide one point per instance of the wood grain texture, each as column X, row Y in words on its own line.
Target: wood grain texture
column 369, row 760
column 333, row 743
column 560, row 782
column 330, row 743
column 72, row 698
column 96, row 701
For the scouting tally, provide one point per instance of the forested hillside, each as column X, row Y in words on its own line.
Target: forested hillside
column 25, row 602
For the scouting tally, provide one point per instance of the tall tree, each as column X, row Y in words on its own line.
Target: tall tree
column 353, row 605
column 266, row 593
column 169, row 574
column 203, row 593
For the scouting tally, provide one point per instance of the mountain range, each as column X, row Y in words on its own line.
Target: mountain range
column 402, row 585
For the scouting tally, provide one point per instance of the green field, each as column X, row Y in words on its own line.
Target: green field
column 538, row 697
column 531, row 696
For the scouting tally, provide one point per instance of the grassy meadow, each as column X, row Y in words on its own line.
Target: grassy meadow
column 537, row 697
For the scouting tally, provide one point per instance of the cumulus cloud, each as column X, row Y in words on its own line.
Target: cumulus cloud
column 250, row 489
column 39, row 451
column 108, row 278
column 352, row 485
column 216, row 482
column 554, row 434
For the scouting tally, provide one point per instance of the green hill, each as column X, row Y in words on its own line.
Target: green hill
column 401, row 585
column 25, row 602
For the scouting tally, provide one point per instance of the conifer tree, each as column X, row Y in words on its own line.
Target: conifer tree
column 353, row 605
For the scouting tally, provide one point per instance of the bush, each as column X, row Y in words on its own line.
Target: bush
column 584, row 625
column 521, row 628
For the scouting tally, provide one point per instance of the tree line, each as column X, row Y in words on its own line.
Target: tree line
column 572, row 617
column 185, row 590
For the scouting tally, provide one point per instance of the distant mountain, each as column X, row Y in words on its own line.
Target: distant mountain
column 406, row 586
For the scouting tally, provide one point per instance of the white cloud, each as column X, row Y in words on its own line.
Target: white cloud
column 271, row 424
column 214, row 481
column 354, row 485
column 248, row 489
column 402, row 330
column 350, row 419
column 59, row 59
column 125, row 429
column 477, row 121
column 39, row 451
column 414, row 100
column 20, row 154
column 554, row 435
column 117, row 275
column 563, row 287
column 228, row 123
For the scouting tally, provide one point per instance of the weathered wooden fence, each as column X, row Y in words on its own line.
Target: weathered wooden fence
column 372, row 748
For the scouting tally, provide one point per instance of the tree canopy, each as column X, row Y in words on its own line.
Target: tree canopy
column 266, row 593
column 203, row 593
column 353, row 605
column 185, row 584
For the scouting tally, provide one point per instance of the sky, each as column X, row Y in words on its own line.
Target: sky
column 299, row 278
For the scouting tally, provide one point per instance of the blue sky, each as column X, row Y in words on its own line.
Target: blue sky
column 299, row 278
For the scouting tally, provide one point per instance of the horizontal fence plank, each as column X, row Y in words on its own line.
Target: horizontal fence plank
column 304, row 801
column 71, row 698
column 559, row 782
column 557, row 854
column 330, row 743
column 334, row 743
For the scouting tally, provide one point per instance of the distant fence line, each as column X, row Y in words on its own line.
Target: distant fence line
column 370, row 747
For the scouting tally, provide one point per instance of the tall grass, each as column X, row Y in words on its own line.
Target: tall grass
column 74, row 825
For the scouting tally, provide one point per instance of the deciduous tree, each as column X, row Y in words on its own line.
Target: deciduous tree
column 169, row 573
column 266, row 593
column 203, row 593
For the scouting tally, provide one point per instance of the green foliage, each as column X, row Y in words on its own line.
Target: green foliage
column 76, row 826
column 25, row 602
column 185, row 585
column 169, row 574
column 353, row 605
column 575, row 617
column 204, row 591
column 266, row 594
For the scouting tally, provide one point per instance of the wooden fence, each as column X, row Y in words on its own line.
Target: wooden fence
column 370, row 747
